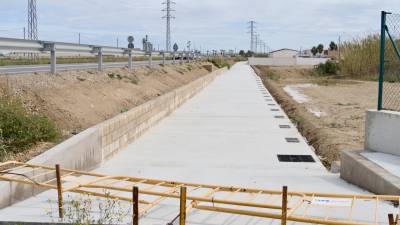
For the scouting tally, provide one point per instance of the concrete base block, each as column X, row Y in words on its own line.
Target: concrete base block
column 360, row 171
column 382, row 131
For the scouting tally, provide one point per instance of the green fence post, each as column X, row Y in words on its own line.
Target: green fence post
column 382, row 59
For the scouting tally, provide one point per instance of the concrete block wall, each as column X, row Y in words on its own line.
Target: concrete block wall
column 295, row 61
column 382, row 131
column 91, row 147
column 122, row 130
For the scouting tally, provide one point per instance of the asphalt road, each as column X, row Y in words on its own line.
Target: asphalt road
column 64, row 67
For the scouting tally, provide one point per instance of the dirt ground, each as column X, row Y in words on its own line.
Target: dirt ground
column 76, row 100
column 330, row 113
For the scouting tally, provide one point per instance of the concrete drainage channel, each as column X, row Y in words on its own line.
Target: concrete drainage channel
column 91, row 147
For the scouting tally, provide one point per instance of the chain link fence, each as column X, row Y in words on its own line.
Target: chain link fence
column 389, row 80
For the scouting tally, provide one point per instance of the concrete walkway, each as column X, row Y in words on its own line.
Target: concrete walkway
column 228, row 134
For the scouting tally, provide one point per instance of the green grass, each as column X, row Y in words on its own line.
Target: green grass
column 20, row 129
column 220, row 62
column 272, row 75
column 67, row 60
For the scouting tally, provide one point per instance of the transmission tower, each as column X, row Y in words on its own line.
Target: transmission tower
column 32, row 20
column 168, row 9
column 252, row 31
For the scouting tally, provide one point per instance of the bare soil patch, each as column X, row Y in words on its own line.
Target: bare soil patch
column 77, row 100
column 341, row 102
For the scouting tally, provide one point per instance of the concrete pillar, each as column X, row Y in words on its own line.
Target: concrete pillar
column 182, row 58
column 163, row 58
column 53, row 59
column 130, row 60
column 150, row 59
column 100, row 60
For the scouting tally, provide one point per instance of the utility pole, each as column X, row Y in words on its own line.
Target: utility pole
column 339, row 48
column 256, row 43
column 117, row 42
column 168, row 9
column 24, row 33
column 252, row 32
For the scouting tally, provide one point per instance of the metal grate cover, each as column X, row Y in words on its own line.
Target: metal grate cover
column 296, row 158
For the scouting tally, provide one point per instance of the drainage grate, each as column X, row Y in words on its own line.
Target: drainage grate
column 272, row 104
column 296, row 158
column 284, row 126
column 279, row 117
column 292, row 140
column 274, row 110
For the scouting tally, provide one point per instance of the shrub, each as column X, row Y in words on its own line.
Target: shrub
column 220, row 62
column 328, row 68
column 20, row 130
column 86, row 210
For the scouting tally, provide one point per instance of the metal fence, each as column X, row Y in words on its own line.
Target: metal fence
column 53, row 48
column 389, row 77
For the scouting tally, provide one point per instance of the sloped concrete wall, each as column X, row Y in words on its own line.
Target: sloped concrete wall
column 91, row 147
column 358, row 170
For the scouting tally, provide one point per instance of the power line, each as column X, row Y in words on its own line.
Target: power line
column 168, row 17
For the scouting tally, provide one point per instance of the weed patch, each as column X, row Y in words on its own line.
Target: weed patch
column 20, row 129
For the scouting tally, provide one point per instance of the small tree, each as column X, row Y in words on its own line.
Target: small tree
column 242, row 53
column 320, row 48
column 314, row 50
column 333, row 46
column 249, row 54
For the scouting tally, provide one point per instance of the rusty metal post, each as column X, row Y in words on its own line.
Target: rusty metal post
column 59, row 192
column 182, row 211
column 391, row 219
column 135, row 205
column 284, row 205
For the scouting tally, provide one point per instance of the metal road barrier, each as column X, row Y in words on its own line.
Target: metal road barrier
column 144, row 194
column 33, row 46
column 389, row 70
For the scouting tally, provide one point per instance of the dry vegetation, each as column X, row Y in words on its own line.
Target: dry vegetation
column 361, row 59
column 342, row 101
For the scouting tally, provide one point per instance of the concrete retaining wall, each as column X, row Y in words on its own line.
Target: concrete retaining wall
column 358, row 170
column 91, row 147
column 296, row 61
column 382, row 129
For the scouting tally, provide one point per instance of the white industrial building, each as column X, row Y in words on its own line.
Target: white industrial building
column 284, row 53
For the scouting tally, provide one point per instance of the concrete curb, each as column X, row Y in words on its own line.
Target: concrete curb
column 364, row 173
column 91, row 147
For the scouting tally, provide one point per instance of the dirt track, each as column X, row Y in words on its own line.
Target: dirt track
column 341, row 103
column 76, row 100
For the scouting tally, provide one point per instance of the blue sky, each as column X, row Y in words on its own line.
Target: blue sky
column 211, row 24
